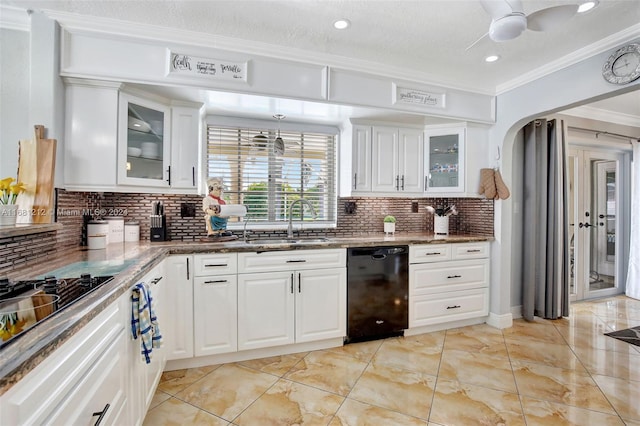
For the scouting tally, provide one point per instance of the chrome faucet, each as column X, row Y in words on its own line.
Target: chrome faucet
column 302, row 202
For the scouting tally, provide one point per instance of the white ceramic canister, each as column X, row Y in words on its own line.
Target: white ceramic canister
column 97, row 227
column 441, row 225
column 131, row 231
column 96, row 242
column 116, row 229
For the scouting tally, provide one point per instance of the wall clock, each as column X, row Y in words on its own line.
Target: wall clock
column 623, row 66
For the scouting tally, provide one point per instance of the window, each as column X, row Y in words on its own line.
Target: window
column 267, row 183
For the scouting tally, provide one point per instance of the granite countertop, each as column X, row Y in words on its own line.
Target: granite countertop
column 26, row 352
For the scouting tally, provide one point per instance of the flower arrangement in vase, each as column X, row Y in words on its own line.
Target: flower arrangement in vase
column 8, row 194
column 389, row 224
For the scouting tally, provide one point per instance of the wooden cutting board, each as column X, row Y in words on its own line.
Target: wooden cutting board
column 36, row 169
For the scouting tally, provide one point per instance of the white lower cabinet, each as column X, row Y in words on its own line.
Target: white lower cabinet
column 448, row 282
column 178, row 329
column 215, row 313
column 297, row 304
column 144, row 378
column 85, row 378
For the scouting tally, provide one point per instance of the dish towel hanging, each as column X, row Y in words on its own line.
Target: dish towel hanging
column 144, row 322
column 492, row 186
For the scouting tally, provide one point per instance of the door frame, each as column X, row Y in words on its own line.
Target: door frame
column 582, row 154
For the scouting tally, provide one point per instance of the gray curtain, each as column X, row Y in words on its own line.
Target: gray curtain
column 545, row 255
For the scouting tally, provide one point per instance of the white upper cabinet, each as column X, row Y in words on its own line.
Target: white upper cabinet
column 118, row 141
column 143, row 142
column 397, row 160
column 361, row 170
column 445, row 160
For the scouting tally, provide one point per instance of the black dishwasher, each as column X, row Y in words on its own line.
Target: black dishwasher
column 377, row 292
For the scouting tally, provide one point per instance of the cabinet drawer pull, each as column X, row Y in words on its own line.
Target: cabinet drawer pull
column 296, row 261
column 216, row 265
column 215, row 281
column 432, row 253
column 379, row 322
column 100, row 414
column 156, row 280
column 474, row 251
column 454, row 307
column 454, row 276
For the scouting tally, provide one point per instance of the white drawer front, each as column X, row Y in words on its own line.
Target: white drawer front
column 448, row 276
column 270, row 261
column 429, row 253
column 470, row 250
column 452, row 306
column 215, row 264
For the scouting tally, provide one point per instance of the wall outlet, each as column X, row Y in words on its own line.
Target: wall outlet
column 350, row 207
column 187, row 210
column 414, row 207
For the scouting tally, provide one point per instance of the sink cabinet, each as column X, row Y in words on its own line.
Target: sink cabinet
column 287, row 297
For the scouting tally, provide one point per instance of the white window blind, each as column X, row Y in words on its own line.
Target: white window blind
column 267, row 183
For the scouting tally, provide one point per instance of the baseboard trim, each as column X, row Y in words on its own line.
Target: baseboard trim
column 444, row 326
column 202, row 361
column 500, row 321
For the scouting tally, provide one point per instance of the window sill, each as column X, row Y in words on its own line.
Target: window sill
column 28, row 229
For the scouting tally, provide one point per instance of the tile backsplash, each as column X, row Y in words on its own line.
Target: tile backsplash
column 356, row 215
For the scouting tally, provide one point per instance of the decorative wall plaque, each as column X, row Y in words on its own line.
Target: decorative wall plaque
column 405, row 95
column 214, row 69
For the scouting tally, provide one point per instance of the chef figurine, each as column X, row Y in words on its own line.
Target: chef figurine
column 216, row 225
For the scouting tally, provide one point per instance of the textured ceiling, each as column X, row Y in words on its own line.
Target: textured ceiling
column 425, row 37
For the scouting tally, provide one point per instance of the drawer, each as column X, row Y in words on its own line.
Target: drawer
column 38, row 394
column 470, row 250
column 272, row 261
column 448, row 276
column 105, row 383
column 429, row 253
column 452, row 306
column 215, row 264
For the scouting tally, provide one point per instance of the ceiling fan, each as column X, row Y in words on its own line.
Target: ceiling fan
column 508, row 20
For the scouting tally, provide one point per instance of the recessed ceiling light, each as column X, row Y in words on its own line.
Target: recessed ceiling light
column 492, row 58
column 341, row 24
column 587, row 5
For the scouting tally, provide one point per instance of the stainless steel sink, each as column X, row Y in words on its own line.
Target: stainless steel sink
column 266, row 241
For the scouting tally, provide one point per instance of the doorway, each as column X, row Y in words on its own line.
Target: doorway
column 596, row 212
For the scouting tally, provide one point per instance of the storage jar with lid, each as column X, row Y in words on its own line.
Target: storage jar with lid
column 97, row 228
column 116, row 229
column 131, row 231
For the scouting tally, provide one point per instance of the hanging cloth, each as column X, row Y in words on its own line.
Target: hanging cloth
column 633, row 273
column 545, row 251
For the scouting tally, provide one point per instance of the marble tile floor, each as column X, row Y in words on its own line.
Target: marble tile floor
column 562, row 372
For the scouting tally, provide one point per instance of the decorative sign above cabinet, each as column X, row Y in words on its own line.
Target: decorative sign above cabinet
column 181, row 64
column 405, row 95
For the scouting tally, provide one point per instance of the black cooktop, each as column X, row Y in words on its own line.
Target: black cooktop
column 23, row 304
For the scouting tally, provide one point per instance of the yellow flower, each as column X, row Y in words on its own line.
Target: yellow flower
column 9, row 193
column 5, row 183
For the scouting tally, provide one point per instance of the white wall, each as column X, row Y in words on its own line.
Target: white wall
column 14, row 97
column 575, row 85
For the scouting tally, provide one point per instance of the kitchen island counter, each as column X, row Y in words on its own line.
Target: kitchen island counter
column 22, row 355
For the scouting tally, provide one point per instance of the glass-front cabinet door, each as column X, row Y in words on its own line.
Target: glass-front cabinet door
column 444, row 160
column 143, row 143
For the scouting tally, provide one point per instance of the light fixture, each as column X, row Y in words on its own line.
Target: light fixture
column 492, row 58
column 586, row 5
column 341, row 24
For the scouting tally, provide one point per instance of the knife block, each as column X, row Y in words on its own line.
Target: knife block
column 159, row 231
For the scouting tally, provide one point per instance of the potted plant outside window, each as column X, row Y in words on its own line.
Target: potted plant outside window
column 389, row 224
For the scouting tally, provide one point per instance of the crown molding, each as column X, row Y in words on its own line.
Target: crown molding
column 14, row 18
column 593, row 113
column 581, row 54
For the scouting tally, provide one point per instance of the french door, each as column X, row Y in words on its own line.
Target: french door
column 596, row 215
